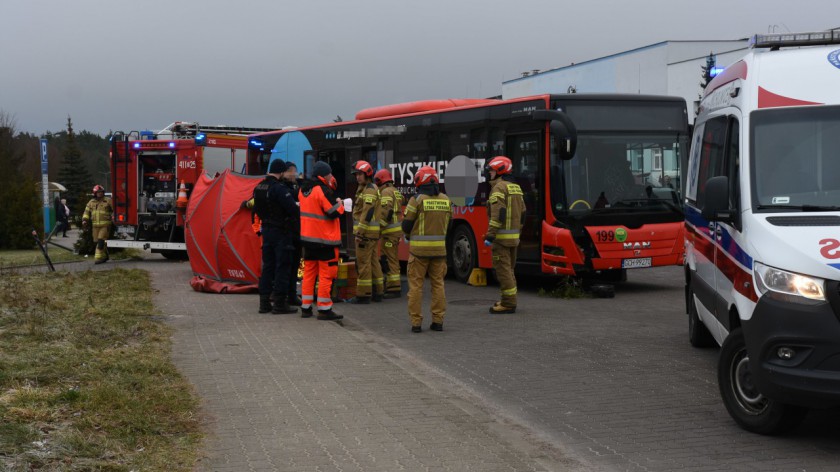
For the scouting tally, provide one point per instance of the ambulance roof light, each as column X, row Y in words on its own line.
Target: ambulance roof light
column 795, row 39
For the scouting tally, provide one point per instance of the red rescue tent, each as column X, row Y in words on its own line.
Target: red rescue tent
column 224, row 251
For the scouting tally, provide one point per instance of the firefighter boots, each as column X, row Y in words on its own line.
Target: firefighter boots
column 265, row 303
column 360, row 300
column 499, row 309
column 377, row 297
column 392, row 295
column 436, row 327
column 416, row 329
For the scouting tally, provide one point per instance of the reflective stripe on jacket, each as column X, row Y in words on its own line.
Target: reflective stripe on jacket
column 99, row 212
column 390, row 208
column 365, row 223
column 506, row 211
column 429, row 216
column 320, row 224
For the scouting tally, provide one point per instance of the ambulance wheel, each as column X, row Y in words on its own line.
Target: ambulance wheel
column 698, row 333
column 746, row 405
column 463, row 256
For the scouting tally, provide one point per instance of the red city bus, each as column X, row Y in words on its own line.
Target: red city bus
column 601, row 173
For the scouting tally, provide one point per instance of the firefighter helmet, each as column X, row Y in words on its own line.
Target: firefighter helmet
column 383, row 176
column 501, row 164
column 98, row 188
column 363, row 167
column 425, row 175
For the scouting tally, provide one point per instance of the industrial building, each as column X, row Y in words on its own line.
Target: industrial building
column 667, row 68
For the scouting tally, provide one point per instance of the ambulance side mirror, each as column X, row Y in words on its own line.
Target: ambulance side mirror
column 716, row 200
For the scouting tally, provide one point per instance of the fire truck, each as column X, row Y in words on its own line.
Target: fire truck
column 152, row 176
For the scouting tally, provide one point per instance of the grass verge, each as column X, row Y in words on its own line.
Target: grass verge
column 86, row 380
column 29, row 257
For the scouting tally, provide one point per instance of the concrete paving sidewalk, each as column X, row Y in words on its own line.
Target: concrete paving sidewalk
column 284, row 393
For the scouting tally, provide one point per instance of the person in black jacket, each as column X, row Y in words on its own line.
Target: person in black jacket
column 290, row 179
column 278, row 211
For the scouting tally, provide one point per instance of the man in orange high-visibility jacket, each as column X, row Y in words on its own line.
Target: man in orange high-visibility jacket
column 320, row 236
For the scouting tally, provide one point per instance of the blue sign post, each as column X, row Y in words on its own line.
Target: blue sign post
column 45, row 186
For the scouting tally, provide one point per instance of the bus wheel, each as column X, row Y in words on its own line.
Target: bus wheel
column 748, row 407
column 464, row 254
column 698, row 334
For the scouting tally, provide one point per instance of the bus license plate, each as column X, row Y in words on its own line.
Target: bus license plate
column 635, row 263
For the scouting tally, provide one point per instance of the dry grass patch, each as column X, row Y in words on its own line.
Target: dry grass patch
column 86, row 380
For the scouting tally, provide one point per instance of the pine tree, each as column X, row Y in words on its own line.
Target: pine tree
column 18, row 192
column 74, row 174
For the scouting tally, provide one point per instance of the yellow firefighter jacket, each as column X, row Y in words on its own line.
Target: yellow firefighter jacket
column 429, row 218
column 390, row 209
column 506, row 212
column 365, row 221
column 99, row 212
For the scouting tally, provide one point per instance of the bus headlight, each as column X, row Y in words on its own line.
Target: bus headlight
column 793, row 287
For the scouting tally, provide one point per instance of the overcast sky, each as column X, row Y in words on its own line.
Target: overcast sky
column 130, row 65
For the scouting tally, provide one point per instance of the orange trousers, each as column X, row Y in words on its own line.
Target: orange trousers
column 325, row 272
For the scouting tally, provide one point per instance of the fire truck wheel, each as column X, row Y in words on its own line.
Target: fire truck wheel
column 463, row 254
column 174, row 255
column 748, row 407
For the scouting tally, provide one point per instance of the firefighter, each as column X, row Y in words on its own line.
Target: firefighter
column 370, row 284
column 320, row 236
column 275, row 205
column 427, row 217
column 390, row 208
column 99, row 212
column 506, row 212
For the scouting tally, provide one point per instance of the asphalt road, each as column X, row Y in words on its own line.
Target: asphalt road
column 612, row 382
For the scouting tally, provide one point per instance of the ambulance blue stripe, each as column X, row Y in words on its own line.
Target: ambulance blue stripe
column 727, row 243
column 836, row 266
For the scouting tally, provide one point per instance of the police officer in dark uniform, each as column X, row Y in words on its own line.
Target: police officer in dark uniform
column 290, row 179
column 277, row 208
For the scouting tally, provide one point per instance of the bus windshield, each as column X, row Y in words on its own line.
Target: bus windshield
column 620, row 172
column 794, row 159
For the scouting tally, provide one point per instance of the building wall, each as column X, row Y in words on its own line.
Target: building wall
column 667, row 68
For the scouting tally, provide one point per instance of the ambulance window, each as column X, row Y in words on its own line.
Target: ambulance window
column 711, row 153
column 734, row 164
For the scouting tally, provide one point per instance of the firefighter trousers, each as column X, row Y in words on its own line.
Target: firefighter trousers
column 368, row 268
column 504, row 259
column 418, row 268
column 100, row 236
column 325, row 272
column 392, row 272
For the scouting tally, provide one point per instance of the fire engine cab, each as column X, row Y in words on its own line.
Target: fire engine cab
column 152, row 176
column 762, row 241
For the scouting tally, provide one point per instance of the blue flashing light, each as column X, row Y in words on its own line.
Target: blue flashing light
column 715, row 71
column 200, row 139
column 171, row 144
column 136, row 145
column 256, row 143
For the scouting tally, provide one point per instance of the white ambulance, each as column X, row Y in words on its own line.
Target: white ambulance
column 763, row 229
